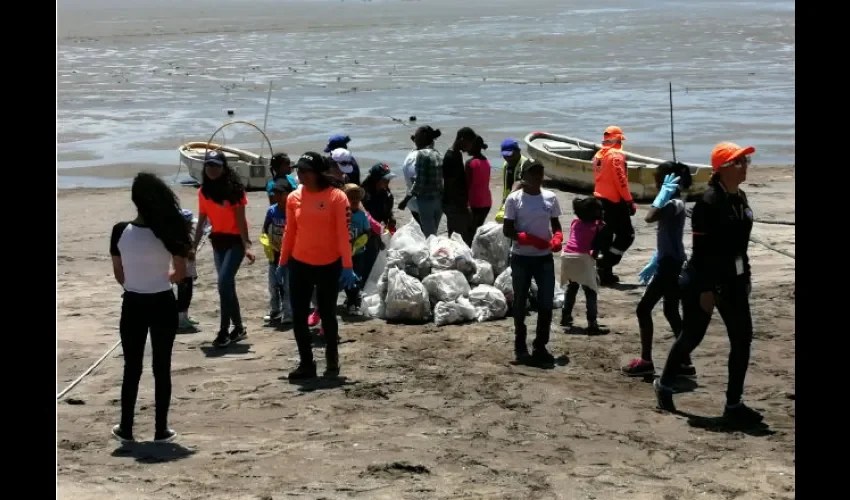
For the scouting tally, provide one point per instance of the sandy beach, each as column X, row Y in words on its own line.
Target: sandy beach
column 422, row 412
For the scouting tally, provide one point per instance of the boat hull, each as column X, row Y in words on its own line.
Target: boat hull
column 252, row 169
column 567, row 160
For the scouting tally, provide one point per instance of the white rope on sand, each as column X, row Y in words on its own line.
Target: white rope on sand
column 91, row 369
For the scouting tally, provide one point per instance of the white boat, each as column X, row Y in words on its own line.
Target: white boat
column 568, row 160
column 252, row 169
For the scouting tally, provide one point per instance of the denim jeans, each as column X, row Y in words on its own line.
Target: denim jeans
column 279, row 291
column 430, row 213
column 227, row 262
column 542, row 270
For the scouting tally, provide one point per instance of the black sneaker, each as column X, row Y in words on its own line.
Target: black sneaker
column 238, row 333
column 742, row 415
column 686, row 371
column 522, row 355
column 593, row 328
column 542, row 356
column 567, row 321
column 639, row 368
column 332, row 369
column 222, row 340
column 304, row 371
column 166, row 436
column 122, row 435
column 663, row 396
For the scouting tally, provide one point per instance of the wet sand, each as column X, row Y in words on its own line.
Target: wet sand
column 423, row 412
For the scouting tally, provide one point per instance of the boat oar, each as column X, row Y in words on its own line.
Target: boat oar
column 672, row 135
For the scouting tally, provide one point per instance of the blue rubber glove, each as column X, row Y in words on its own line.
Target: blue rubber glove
column 348, row 279
column 649, row 271
column 668, row 189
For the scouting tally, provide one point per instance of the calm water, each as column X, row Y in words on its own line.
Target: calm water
column 135, row 82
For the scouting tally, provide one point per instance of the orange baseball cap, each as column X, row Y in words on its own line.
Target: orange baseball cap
column 614, row 132
column 726, row 152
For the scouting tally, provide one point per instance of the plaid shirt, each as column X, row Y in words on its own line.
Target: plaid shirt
column 429, row 175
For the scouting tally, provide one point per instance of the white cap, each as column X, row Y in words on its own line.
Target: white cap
column 341, row 155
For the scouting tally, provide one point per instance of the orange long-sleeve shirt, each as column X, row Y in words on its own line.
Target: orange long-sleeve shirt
column 610, row 175
column 316, row 230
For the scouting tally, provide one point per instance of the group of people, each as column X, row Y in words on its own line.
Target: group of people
column 322, row 234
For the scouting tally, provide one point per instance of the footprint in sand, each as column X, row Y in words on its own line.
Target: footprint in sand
column 216, row 385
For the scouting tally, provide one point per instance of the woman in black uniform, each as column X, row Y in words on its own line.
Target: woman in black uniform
column 718, row 274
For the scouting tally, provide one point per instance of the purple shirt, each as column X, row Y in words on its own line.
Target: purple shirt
column 582, row 235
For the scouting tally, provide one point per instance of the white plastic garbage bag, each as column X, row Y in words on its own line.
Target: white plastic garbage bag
column 407, row 298
column 489, row 303
column 450, row 253
column 492, row 245
column 464, row 261
column 580, row 268
column 370, row 286
column 504, row 284
column 454, row 311
column 483, row 274
column 446, row 286
column 411, row 244
column 374, row 307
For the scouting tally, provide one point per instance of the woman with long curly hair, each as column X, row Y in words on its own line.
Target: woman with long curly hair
column 143, row 252
column 222, row 201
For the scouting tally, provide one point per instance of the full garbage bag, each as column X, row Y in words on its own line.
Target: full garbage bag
column 490, row 244
column 450, row 253
column 446, row 286
column 483, row 274
column 504, row 284
column 370, row 286
column 454, row 311
column 489, row 303
column 407, row 299
column 411, row 245
column 374, row 306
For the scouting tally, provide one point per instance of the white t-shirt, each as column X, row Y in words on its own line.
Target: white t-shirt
column 408, row 168
column 145, row 259
column 532, row 214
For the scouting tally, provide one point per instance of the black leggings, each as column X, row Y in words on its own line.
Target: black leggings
column 733, row 304
column 479, row 216
column 665, row 284
column 303, row 279
column 141, row 312
column 184, row 294
column 617, row 235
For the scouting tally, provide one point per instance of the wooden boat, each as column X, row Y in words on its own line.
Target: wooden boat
column 253, row 170
column 568, row 160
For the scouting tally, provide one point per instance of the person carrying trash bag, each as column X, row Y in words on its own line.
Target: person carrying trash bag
column 661, row 275
column 718, row 275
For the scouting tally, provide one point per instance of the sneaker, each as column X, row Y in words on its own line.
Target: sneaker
column 285, row 319
column 166, row 436
column 522, row 355
column 185, row 325
column 686, row 371
column 314, row 319
column 332, row 366
column 639, row 368
column 222, row 340
column 272, row 319
column 567, row 321
column 663, row 396
column 304, row 371
column 542, row 356
column 353, row 310
column 194, row 321
column 122, row 435
column 593, row 328
column 742, row 415
column 237, row 334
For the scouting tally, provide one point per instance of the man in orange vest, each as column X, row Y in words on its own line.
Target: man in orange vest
column 612, row 189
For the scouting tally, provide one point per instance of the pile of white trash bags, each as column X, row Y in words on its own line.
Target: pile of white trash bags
column 417, row 279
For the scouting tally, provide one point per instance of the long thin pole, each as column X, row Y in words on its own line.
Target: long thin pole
column 672, row 134
column 266, row 118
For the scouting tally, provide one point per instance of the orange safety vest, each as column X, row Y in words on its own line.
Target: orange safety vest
column 610, row 175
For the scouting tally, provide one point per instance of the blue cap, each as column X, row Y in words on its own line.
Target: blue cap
column 215, row 157
column 337, row 141
column 509, row 146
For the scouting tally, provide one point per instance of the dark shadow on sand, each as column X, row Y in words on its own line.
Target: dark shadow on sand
column 153, row 453
column 623, row 287
column 720, row 424
column 212, row 351
column 580, row 330
column 562, row 360
column 322, row 383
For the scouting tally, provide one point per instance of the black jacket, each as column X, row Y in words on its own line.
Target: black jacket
column 455, row 194
column 379, row 204
column 721, row 223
